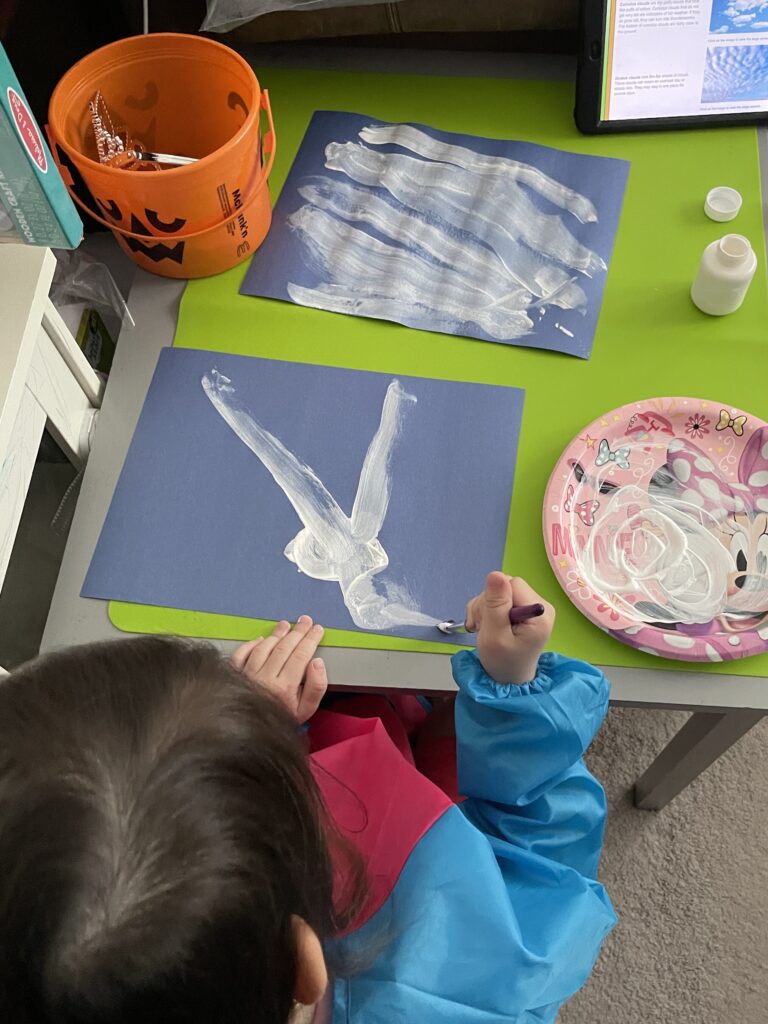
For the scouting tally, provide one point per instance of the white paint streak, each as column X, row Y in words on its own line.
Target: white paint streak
column 332, row 545
column 502, row 211
column 408, row 137
column 368, row 277
column 662, row 560
column 451, row 240
column 480, row 267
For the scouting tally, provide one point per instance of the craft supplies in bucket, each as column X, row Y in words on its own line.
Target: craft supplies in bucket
column 177, row 94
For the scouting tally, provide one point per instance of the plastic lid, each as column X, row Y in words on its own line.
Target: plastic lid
column 722, row 203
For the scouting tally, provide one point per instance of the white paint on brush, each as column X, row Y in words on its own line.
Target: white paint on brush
column 332, row 545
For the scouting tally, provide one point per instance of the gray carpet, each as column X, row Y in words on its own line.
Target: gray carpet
column 690, row 885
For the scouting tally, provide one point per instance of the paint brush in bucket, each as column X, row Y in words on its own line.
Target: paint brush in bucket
column 522, row 613
column 118, row 149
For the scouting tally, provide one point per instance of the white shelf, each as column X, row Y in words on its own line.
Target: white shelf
column 45, row 381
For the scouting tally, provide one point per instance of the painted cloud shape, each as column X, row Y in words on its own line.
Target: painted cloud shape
column 455, row 236
column 501, row 240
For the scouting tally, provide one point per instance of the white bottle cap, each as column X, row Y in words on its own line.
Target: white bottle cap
column 722, row 203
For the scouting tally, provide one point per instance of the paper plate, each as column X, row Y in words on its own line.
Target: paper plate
column 656, row 526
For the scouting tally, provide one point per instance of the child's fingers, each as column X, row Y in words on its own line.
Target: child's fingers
column 501, row 593
column 523, row 593
column 296, row 664
column 474, row 611
column 240, row 656
column 471, row 616
column 498, row 601
column 288, row 644
column 315, row 685
column 259, row 653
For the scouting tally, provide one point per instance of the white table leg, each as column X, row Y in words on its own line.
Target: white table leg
column 72, row 355
column 703, row 738
column 16, row 465
column 68, row 408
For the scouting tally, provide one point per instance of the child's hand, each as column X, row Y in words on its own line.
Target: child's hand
column 509, row 654
column 284, row 664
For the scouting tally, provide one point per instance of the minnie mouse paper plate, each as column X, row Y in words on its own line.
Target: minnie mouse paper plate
column 656, row 526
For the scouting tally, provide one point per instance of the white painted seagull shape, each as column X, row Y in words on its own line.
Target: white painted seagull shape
column 332, row 545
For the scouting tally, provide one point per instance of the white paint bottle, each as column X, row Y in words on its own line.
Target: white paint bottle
column 725, row 272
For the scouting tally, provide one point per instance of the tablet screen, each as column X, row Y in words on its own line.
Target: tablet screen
column 683, row 58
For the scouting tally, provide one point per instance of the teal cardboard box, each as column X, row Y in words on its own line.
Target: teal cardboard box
column 34, row 203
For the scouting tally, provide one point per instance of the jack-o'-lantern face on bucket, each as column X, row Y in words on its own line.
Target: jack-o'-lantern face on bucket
column 150, row 223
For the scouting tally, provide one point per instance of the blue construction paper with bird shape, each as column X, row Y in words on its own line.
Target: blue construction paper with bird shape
column 269, row 489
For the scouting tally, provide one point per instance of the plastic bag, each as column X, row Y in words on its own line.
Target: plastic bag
column 80, row 278
column 224, row 15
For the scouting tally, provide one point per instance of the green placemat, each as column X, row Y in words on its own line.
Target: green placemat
column 650, row 342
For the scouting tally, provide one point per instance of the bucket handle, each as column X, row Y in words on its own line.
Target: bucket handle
column 270, row 139
column 270, row 145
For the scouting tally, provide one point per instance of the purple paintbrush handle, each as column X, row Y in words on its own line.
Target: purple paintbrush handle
column 524, row 612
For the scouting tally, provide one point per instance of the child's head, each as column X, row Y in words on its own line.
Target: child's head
column 162, row 846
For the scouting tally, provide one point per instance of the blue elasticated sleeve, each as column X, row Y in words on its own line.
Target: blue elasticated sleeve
column 520, row 757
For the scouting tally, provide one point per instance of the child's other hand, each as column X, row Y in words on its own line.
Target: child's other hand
column 509, row 654
column 284, row 663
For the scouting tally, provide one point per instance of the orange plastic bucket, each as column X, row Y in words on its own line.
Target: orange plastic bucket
column 177, row 94
column 202, row 253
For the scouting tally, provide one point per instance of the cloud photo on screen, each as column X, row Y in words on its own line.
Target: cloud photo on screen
column 738, row 16
column 734, row 73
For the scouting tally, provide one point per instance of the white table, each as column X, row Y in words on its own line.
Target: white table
column 723, row 707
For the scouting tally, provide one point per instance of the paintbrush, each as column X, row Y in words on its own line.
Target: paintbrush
column 517, row 615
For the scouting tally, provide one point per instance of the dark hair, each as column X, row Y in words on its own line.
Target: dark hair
column 159, row 826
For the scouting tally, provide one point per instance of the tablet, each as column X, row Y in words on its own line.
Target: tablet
column 648, row 64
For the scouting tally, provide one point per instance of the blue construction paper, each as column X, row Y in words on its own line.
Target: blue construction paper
column 284, row 259
column 197, row 522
